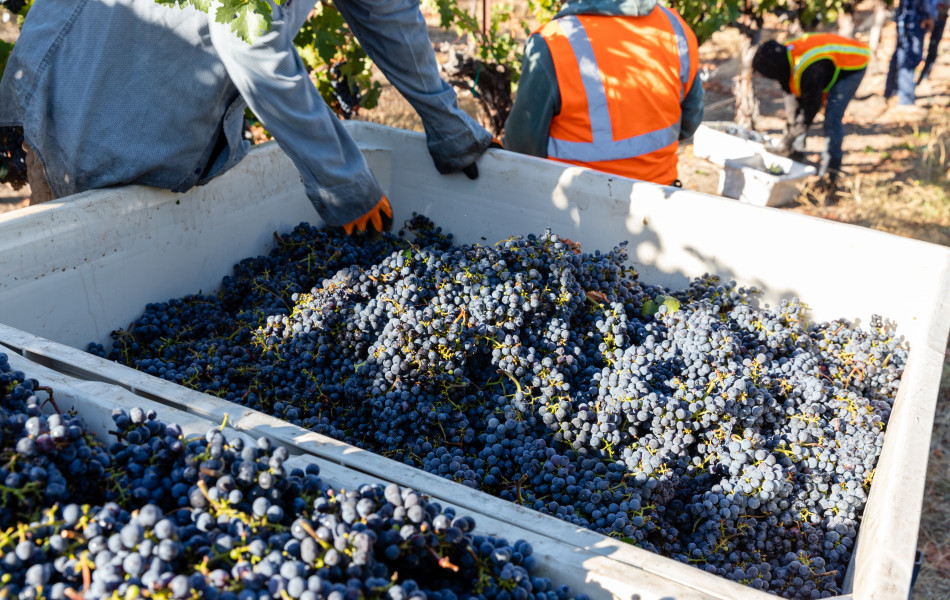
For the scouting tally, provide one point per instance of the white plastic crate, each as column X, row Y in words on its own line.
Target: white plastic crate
column 763, row 179
column 73, row 270
column 718, row 141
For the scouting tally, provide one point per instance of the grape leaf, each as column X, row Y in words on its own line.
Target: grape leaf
column 248, row 18
column 652, row 306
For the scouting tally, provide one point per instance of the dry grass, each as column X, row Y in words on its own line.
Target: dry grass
column 934, row 161
column 911, row 198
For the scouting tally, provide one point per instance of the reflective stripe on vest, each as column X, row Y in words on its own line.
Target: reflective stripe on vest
column 683, row 45
column 603, row 147
column 845, row 53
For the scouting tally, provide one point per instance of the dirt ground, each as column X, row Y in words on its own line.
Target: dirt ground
column 898, row 184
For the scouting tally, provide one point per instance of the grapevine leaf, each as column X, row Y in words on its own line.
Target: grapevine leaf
column 652, row 306
column 672, row 304
column 248, row 19
column 649, row 308
column 201, row 5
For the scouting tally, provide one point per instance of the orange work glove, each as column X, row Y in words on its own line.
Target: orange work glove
column 373, row 223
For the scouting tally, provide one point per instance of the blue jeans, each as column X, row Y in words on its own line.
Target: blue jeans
column 935, row 37
column 906, row 57
column 839, row 96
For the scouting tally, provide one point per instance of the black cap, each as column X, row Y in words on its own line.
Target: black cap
column 771, row 60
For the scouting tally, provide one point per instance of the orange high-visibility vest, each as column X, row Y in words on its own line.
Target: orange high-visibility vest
column 847, row 55
column 621, row 81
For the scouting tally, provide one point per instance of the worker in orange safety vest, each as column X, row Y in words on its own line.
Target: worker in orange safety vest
column 610, row 85
column 815, row 69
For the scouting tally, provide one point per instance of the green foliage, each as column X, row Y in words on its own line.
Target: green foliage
column 814, row 11
column 706, row 17
column 332, row 54
column 652, row 306
column 494, row 44
column 544, row 10
column 248, row 19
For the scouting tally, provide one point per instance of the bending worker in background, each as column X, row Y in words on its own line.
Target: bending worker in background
column 813, row 68
column 133, row 92
column 610, row 85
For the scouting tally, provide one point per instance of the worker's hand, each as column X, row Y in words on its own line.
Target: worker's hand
column 471, row 171
column 927, row 25
column 373, row 223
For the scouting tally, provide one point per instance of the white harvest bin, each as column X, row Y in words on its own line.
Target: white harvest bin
column 763, row 179
column 73, row 270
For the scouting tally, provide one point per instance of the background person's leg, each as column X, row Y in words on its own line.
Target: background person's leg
column 910, row 51
column 890, row 84
column 36, row 175
column 935, row 36
column 839, row 96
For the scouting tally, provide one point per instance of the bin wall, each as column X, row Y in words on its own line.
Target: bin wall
column 73, row 270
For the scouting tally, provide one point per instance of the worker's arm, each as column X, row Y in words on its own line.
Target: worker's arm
column 692, row 107
column 537, row 101
column 273, row 80
column 815, row 79
column 395, row 35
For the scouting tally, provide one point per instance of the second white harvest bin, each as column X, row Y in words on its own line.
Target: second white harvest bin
column 763, row 179
column 73, row 270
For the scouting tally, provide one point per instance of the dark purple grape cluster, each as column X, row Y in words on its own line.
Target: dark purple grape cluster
column 693, row 423
column 44, row 458
column 218, row 518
